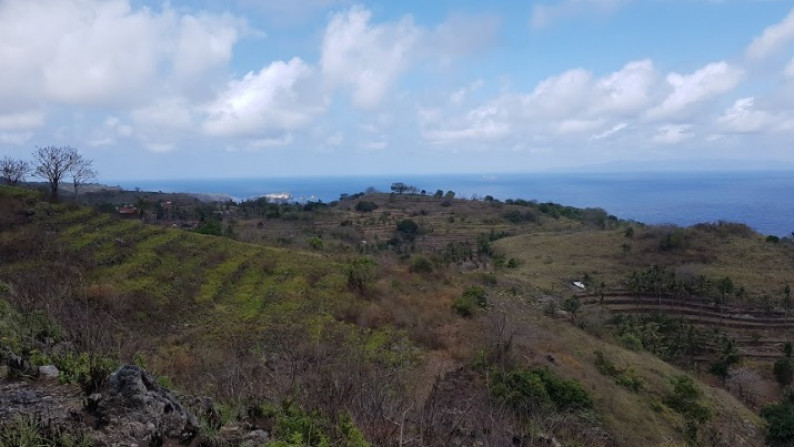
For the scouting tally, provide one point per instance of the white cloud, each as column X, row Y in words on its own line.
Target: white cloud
column 789, row 71
column 483, row 123
column 609, row 132
column 574, row 126
column 204, row 42
column 21, row 120
column 279, row 97
column 458, row 97
column 544, row 15
column 774, row 38
column 368, row 58
column 627, row 90
column 336, row 139
column 672, row 134
column 160, row 147
column 164, row 114
column 711, row 80
column 110, row 132
column 105, row 53
column 267, row 143
column 742, row 117
column 15, row 138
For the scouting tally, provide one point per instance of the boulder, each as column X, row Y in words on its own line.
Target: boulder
column 134, row 406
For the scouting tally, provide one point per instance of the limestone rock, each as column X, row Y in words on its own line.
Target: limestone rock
column 133, row 405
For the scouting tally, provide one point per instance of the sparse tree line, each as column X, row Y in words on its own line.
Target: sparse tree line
column 55, row 164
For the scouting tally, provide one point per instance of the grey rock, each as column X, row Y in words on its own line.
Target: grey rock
column 48, row 371
column 255, row 438
column 134, row 405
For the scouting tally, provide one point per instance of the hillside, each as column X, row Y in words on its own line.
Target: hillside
column 446, row 331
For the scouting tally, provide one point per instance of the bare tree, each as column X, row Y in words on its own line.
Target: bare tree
column 53, row 163
column 13, row 170
column 82, row 172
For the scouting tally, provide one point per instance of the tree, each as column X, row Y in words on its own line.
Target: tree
column 572, row 305
column 53, row 163
column 787, row 301
column 14, row 171
column 399, row 187
column 780, row 421
column 784, row 371
column 727, row 357
column 82, row 173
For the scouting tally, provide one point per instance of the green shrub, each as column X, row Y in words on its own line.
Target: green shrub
column 420, row 264
column 526, row 391
column 469, row 301
column 315, row 243
column 365, row 206
column 780, row 421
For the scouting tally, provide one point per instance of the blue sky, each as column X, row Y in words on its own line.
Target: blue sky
column 253, row 88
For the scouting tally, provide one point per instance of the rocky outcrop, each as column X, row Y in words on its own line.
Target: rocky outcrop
column 132, row 405
column 131, row 409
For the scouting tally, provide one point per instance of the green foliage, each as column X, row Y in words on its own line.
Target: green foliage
column 315, row 243
column 471, row 299
column 211, row 227
column 676, row 239
column 538, row 389
column 624, row 377
column 572, row 305
column 295, row 427
column 408, row 228
column 516, row 216
column 784, row 371
column 88, row 370
column 361, row 273
column 420, row 264
column 27, row 431
column 366, row 206
column 685, row 400
column 727, row 356
column 780, row 421
column 772, row 239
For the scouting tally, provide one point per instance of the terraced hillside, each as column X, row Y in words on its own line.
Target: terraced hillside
column 356, row 337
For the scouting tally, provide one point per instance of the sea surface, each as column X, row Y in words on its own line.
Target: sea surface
column 763, row 200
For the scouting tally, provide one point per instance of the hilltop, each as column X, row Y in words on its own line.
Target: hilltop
column 404, row 319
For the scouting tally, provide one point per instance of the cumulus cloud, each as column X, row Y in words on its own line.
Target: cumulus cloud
column 278, row 98
column 15, row 138
column 544, row 14
column 104, row 53
column 709, row 81
column 609, row 132
column 366, row 57
column 28, row 119
column 742, row 117
column 112, row 129
column 773, row 38
column 789, row 71
column 570, row 103
column 673, row 133
column 204, row 42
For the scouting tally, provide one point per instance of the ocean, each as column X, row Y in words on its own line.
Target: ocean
column 762, row 200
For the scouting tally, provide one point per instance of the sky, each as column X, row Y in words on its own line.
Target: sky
column 262, row 88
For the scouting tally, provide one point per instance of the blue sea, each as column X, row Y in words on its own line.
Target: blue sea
column 763, row 200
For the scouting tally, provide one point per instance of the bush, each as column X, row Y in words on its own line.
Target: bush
column 526, row 391
column 772, row 239
column 471, row 299
column 420, row 264
column 408, row 228
column 365, row 206
column 315, row 243
column 784, row 371
column 780, row 421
